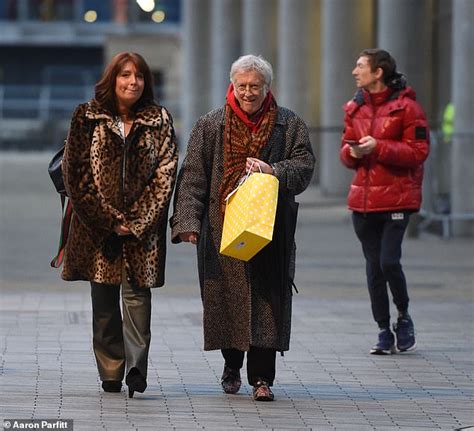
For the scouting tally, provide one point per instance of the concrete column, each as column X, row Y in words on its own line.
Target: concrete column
column 442, row 38
column 120, row 14
column 23, row 10
column 259, row 22
column 196, row 68
column 225, row 45
column 404, row 30
column 347, row 28
column 462, row 172
column 440, row 158
column 78, row 10
column 294, row 40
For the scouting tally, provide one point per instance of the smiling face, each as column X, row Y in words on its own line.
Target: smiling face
column 366, row 78
column 129, row 85
column 249, row 90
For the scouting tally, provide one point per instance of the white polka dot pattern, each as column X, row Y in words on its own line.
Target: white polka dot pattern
column 250, row 217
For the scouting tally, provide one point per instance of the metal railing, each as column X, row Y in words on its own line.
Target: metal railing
column 35, row 117
column 48, row 101
column 41, row 102
column 436, row 205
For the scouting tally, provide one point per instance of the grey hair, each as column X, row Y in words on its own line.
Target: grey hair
column 250, row 62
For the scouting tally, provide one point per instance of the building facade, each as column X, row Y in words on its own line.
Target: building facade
column 313, row 46
column 52, row 52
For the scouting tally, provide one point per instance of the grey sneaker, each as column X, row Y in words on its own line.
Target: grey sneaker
column 385, row 344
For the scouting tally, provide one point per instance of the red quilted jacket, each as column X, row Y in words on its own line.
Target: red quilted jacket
column 389, row 178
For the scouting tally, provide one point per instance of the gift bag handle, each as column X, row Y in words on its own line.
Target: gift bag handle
column 243, row 179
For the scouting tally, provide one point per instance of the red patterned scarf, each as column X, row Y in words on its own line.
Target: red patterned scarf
column 243, row 137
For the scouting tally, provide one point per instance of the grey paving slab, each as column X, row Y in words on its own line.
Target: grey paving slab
column 327, row 381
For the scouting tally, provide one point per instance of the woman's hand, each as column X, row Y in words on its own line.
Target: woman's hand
column 253, row 164
column 122, row 230
column 191, row 237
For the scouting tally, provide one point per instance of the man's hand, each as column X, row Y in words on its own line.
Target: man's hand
column 253, row 164
column 191, row 237
column 366, row 146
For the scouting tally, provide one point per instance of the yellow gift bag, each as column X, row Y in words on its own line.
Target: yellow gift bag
column 250, row 216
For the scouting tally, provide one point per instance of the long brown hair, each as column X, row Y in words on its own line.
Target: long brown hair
column 105, row 87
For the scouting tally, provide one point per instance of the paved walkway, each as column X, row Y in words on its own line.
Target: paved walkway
column 327, row 381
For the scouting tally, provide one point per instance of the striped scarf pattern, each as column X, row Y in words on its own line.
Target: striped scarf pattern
column 243, row 139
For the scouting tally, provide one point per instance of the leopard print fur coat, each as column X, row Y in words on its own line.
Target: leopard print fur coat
column 110, row 180
column 237, row 306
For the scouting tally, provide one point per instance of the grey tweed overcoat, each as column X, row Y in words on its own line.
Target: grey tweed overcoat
column 238, row 311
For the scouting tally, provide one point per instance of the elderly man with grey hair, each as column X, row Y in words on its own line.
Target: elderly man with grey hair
column 247, row 305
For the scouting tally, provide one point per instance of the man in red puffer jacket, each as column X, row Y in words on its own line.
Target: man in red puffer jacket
column 386, row 141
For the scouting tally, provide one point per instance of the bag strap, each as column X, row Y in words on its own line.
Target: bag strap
column 66, row 211
column 65, row 228
column 243, row 179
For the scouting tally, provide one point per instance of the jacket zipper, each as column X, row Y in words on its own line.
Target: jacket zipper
column 124, row 162
column 122, row 185
column 367, row 165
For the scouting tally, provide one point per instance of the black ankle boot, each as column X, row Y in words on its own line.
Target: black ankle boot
column 112, row 385
column 135, row 382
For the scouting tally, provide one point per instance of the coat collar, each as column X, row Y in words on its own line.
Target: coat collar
column 150, row 115
column 280, row 119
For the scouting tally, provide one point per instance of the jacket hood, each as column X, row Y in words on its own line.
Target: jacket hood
column 398, row 81
column 361, row 98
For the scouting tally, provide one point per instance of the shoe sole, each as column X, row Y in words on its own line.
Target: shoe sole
column 232, row 390
column 391, row 351
column 410, row 349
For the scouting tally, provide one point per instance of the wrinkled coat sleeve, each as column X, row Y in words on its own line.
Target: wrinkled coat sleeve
column 148, row 210
column 408, row 152
column 295, row 171
column 192, row 187
column 98, row 217
column 412, row 150
column 349, row 134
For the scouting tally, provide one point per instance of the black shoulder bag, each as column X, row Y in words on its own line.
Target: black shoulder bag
column 56, row 173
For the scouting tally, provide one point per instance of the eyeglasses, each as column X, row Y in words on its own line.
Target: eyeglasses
column 252, row 88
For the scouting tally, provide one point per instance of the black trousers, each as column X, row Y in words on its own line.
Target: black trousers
column 260, row 363
column 381, row 235
column 121, row 340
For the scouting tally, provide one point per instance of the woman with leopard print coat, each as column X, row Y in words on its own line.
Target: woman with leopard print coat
column 247, row 305
column 119, row 169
